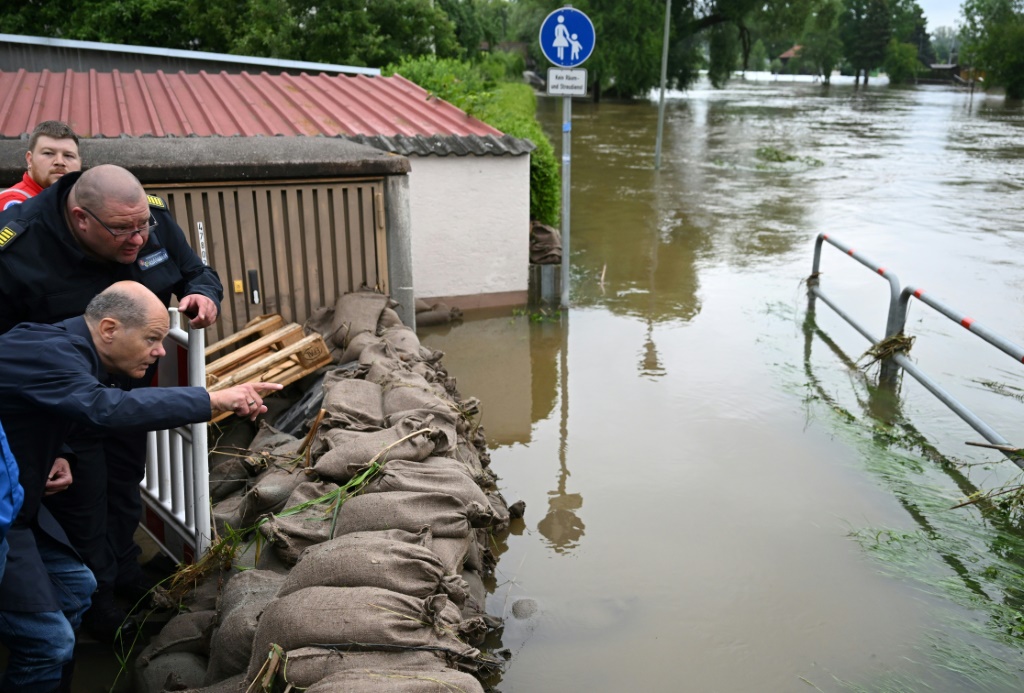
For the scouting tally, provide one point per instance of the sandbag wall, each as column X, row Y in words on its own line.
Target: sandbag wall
column 381, row 592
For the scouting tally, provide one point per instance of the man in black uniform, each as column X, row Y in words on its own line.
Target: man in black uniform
column 51, row 377
column 58, row 250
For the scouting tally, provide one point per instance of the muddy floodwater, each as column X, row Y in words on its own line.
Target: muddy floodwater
column 717, row 496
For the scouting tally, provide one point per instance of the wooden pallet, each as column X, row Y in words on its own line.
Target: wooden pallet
column 278, row 353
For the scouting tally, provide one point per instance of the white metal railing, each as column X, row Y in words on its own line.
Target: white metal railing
column 177, row 482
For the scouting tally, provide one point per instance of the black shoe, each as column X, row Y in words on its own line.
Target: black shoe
column 108, row 623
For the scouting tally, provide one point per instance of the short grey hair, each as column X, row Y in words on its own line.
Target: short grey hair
column 117, row 304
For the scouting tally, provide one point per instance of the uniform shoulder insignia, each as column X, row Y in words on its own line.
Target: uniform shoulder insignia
column 11, row 232
column 155, row 201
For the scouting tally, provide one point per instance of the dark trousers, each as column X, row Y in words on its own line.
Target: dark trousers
column 101, row 509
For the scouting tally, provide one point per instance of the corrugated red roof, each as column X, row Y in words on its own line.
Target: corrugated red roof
column 135, row 104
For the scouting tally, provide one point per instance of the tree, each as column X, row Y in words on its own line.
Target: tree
column 758, row 59
column 901, row 63
column 910, row 26
column 865, row 27
column 822, row 47
column 944, row 44
column 993, row 35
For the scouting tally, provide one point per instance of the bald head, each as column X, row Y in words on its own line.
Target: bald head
column 106, row 185
column 130, row 303
column 128, row 324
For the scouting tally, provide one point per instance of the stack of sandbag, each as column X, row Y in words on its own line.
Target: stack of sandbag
column 436, row 313
column 369, row 537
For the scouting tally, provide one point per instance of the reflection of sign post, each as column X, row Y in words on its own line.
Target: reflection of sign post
column 567, row 39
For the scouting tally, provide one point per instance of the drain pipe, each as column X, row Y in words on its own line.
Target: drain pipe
column 398, row 231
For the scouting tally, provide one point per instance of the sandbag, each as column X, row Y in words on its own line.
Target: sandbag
column 442, row 416
column 270, row 492
column 227, row 477
column 170, row 672
column 355, row 348
column 352, row 403
column 446, row 515
column 245, row 596
column 413, row 681
column 187, row 632
column 229, row 512
column 274, row 444
column 350, row 452
column 309, row 665
column 453, row 551
column 356, row 312
column 235, row 684
column 290, row 534
column 360, row 618
column 423, row 477
column 404, row 390
column 370, row 560
column 405, row 342
column 388, row 318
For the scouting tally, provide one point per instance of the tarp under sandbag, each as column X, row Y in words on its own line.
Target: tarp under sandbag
column 446, row 515
column 360, row 618
column 372, row 559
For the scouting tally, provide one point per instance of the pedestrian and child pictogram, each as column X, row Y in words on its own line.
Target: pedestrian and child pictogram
column 567, row 37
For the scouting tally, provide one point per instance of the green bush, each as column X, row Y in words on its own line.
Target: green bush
column 901, row 63
column 456, row 81
column 502, row 65
column 507, row 106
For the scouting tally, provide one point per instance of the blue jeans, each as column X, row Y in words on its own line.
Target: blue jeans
column 42, row 643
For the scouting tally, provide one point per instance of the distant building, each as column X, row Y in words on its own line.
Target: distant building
column 789, row 55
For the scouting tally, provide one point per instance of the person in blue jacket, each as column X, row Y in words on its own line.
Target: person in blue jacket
column 11, row 496
column 57, row 251
column 51, row 378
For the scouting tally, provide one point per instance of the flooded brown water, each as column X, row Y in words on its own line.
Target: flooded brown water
column 717, row 499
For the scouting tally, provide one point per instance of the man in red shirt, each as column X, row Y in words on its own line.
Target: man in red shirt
column 52, row 152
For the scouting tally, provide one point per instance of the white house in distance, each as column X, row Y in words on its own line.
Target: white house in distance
column 469, row 195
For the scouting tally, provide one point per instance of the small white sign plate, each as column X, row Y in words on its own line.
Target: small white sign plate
column 567, row 82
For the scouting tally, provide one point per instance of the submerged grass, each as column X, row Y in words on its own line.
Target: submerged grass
column 967, row 561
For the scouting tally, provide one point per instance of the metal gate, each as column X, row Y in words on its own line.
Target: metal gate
column 284, row 246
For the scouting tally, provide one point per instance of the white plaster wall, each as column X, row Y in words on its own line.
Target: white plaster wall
column 470, row 224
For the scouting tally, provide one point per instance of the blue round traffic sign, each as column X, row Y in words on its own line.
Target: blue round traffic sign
column 567, row 37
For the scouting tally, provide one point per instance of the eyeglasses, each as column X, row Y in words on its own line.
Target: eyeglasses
column 121, row 233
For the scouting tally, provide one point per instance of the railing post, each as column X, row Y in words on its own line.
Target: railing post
column 200, row 454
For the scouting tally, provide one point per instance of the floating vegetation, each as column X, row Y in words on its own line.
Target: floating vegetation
column 771, row 155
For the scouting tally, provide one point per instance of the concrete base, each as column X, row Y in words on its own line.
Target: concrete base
column 503, row 299
column 545, row 286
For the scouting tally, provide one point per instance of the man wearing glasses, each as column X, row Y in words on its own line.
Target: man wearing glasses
column 57, row 251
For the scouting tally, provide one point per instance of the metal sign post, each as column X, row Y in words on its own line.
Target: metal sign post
column 567, row 39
